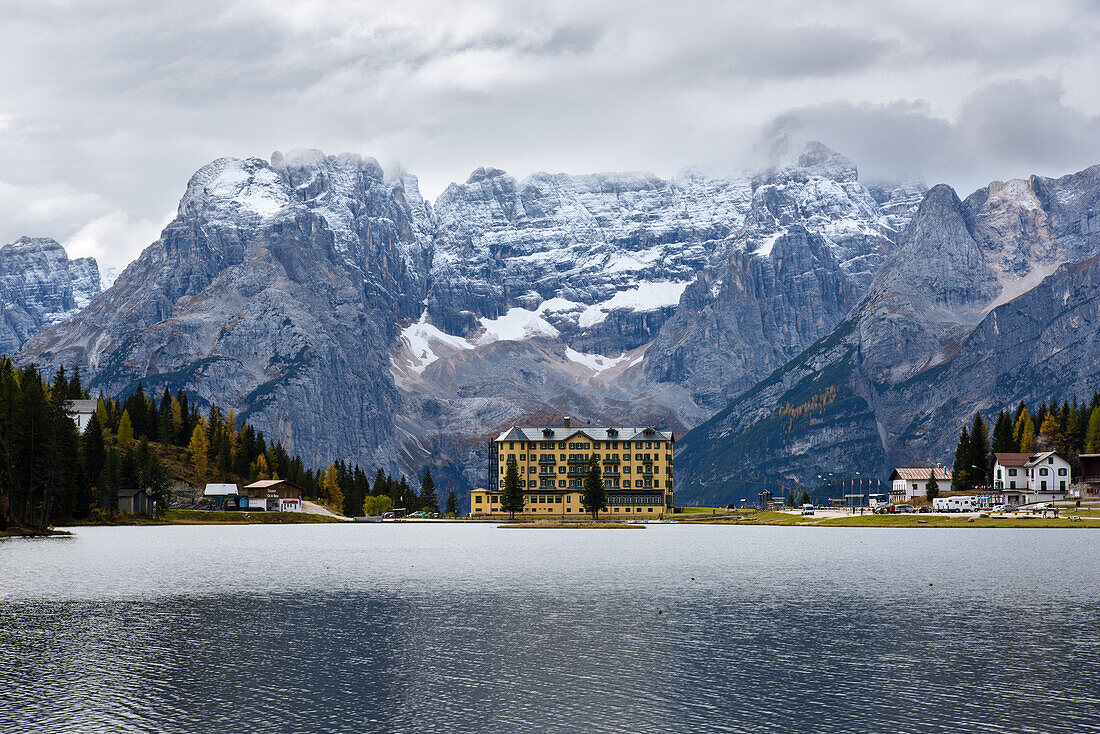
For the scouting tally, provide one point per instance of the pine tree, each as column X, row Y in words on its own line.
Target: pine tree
column 932, row 488
column 511, row 501
column 960, row 470
column 198, row 450
column 92, row 455
column 428, row 499
column 1092, row 436
column 805, row 498
column 452, row 505
column 594, row 498
column 125, row 430
column 110, row 481
column 1003, row 439
column 979, row 452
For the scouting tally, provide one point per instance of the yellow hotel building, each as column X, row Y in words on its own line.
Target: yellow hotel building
column 636, row 464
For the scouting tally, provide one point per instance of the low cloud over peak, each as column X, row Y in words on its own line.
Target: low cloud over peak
column 107, row 110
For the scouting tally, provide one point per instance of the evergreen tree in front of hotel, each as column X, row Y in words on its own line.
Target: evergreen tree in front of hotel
column 428, row 500
column 594, row 497
column 980, row 466
column 932, row 489
column 452, row 505
column 511, row 501
column 960, row 470
column 1004, row 440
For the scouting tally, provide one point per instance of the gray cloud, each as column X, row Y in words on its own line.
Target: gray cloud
column 107, row 108
column 1006, row 129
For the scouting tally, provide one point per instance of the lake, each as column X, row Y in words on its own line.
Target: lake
column 470, row 628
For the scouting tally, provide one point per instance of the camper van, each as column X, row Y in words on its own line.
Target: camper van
column 955, row 504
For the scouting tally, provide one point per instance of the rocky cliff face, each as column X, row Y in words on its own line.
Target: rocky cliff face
column 927, row 345
column 276, row 291
column 39, row 287
column 339, row 312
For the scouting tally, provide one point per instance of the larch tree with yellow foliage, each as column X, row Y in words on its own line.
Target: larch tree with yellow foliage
column 198, row 448
column 334, row 496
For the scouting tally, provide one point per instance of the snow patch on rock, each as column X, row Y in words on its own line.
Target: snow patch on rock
column 595, row 362
column 516, row 325
column 423, row 339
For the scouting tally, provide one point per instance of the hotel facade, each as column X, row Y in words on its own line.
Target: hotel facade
column 636, row 465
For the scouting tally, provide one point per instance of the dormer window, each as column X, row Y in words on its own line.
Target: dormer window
column 548, row 431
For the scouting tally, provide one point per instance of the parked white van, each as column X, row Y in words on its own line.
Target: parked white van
column 955, row 504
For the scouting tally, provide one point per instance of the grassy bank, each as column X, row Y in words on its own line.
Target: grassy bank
column 21, row 532
column 573, row 525
column 202, row 517
column 911, row 520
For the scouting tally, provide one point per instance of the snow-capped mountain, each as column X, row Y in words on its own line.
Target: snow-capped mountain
column 986, row 302
column 39, row 287
column 344, row 315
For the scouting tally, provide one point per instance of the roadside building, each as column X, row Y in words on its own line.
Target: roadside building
column 907, row 482
column 635, row 463
column 1043, row 476
column 1090, row 477
column 135, row 502
column 225, row 496
column 81, row 411
column 273, row 495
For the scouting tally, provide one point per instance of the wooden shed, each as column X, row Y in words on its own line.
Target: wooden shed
column 135, row 502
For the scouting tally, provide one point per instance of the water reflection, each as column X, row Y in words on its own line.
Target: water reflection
column 473, row 629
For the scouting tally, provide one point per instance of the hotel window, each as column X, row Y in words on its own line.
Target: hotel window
column 626, row 469
column 510, row 446
column 649, row 509
column 1011, row 472
column 648, row 444
column 501, row 482
column 557, row 500
column 477, row 499
column 656, row 482
column 495, row 499
column 1062, row 472
column 523, row 457
column 1043, row 472
column 637, row 482
column 561, row 482
column 637, row 457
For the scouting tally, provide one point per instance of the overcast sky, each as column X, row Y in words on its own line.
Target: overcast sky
column 107, row 108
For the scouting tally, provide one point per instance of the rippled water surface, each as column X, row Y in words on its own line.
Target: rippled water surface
column 464, row 628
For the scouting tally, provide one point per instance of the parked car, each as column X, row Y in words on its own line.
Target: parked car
column 905, row 508
column 925, row 508
column 807, row 509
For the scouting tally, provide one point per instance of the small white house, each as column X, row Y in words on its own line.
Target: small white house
column 907, row 482
column 82, row 411
column 1043, row 476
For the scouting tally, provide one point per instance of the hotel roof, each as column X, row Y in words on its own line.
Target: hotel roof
column 595, row 433
column 1009, row 459
column 920, row 474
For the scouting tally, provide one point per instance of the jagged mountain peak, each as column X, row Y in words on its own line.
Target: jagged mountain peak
column 484, row 173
